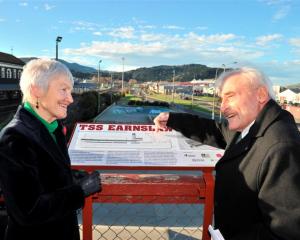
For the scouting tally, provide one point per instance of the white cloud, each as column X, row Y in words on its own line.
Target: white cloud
column 281, row 13
column 84, row 26
column 156, row 49
column 295, row 42
column 282, row 73
column 266, row 39
column 2, row 20
column 123, row 32
column 23, row 4
column 282, row 7
column 110, row 49
column 219, row 38
column 147, row 27
column 202, row 28
column 48, row 7
column 97, row 33
column 209, row 39
column 275, row 2
column 152, row 37
column 173, row 27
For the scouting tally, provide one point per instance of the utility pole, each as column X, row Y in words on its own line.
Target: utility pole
column 123, row 74
column 192, row 94
column 99, row 73
column 98, row 93
column 111, row 87
column 173, row 86
column 58, row 39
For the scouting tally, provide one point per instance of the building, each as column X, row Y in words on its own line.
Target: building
column 10, row 73
column 287, row 96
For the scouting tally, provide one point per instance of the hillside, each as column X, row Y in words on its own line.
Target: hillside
column 72, row 66
column 293, row 86
column 183, row 73
column 77, row 70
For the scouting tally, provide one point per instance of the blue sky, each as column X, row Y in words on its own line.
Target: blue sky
column 260, row 33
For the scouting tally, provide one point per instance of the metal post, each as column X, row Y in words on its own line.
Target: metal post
column 220, row 113
column 111, row 87
column 98, row 93
column 56, row 52
column 99, row 73
column 192, row 94
column 173, row 85
column 214, row 96
column 123, row 74
column 58, row 39
column 87, row 221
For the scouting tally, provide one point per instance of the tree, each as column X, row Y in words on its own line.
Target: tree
column 132, row 82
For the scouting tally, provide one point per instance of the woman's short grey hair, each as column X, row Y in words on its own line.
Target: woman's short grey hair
column 256, row 78
column 39, row 72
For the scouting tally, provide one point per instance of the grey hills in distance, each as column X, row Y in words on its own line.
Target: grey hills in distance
column 183, row 73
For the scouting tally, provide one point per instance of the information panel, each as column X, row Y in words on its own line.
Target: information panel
column 137, row 145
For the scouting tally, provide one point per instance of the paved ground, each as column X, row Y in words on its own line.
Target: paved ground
column 147, row 221
column 146, row 232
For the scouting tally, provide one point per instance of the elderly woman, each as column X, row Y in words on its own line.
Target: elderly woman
column 40, row 194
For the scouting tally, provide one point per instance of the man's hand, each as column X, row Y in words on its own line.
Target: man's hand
column 161, row 121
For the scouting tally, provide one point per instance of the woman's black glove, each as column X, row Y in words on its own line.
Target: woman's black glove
column 78, row 175
column 90, row 183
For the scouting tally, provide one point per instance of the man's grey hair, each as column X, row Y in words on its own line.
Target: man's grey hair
column 39, row 72
column 256, row 78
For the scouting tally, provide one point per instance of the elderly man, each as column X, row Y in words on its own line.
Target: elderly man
column 257, row 193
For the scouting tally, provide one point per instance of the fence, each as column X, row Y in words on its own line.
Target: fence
column 149, row 206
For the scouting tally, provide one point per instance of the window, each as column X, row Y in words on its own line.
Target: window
column 2, row 72
column 19, row 74
column 8, row 73
column 14, row 73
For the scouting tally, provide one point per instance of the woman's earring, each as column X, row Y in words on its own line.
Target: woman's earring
column 37, row 103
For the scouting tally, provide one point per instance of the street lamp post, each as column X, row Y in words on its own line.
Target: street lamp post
column 220, row 113
column 224, row 67
column 173, row 85
column 123, row 74
column 99, row 73
column 192, row 94
column 58, row 39
column 98, row 94
column 214, row 96
column 111, row 87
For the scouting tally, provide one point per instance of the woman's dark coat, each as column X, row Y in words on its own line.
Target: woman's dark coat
column 36, row 179
column 257, row 188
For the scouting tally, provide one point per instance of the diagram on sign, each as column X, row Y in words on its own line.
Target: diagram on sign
column 128, row 140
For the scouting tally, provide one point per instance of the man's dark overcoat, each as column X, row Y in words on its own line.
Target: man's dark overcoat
column 36, row 179
column 257, row 188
